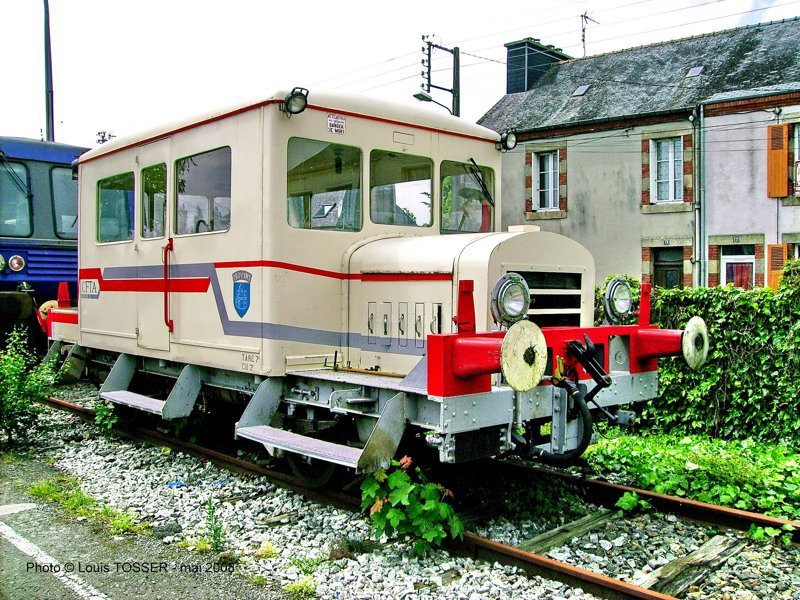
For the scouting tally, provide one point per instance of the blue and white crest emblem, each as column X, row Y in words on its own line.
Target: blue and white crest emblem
column 241, row 291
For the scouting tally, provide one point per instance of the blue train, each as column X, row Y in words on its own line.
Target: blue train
column 38, row 225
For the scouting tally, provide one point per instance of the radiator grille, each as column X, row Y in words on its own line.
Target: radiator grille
column 555, row 298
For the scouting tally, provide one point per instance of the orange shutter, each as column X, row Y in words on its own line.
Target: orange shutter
column 776, row 257
column 777, row 161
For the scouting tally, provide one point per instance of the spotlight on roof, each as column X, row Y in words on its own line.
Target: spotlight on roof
column 296, row 101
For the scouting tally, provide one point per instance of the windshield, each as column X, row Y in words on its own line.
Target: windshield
column 467, row 205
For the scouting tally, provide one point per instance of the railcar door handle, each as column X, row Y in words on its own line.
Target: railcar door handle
column 370, row 321
column 401, row 325
column 418, row 327
column 168, row 247
column 385, row 325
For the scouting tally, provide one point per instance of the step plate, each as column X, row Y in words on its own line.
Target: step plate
column 293, row 442
column 133, row 400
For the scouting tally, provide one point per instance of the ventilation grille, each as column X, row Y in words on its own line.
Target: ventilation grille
column 555, row 298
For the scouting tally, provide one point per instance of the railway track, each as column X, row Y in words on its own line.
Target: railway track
column 671, row 579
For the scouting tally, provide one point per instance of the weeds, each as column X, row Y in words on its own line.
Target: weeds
column 216, row 531
column 302, row 589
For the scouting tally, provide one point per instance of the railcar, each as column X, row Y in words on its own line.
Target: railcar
column 333, row 266
column 38, row 225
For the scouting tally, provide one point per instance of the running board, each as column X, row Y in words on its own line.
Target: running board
column 301, row 444
column 144, row 403
column 178, row 404
column 377, row 453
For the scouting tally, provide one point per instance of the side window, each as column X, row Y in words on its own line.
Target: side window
column 65, row 202
column 15, row 209
column 154, row 200
column 323, row 183
column 115, row 201
column 400, row 189
column 204, row 192
column 467, row 203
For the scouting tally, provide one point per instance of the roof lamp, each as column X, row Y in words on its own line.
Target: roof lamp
column 618, row 300
column 16, row 263
column 508, row 140
column 510, row 299
column 296, row 101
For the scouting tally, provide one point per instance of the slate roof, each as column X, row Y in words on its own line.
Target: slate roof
column 756, row 60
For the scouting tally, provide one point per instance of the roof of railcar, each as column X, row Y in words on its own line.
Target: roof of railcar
column 29, row 149
column 409, row 115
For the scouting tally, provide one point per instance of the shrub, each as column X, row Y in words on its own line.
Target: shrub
column 302, row 589
column 404, row 502
column 22, row 383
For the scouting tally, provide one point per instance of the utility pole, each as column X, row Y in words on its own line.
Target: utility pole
column 427, row 51
column 48, row 77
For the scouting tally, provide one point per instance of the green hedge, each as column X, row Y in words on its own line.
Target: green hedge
column 749, row 386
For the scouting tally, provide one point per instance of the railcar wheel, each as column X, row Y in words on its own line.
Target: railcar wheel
column 312, row 472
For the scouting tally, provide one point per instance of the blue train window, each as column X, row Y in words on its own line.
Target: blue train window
column 154, row 200
column 15, row 209
column 115, row 208
column 65, row 202
column 204, row 192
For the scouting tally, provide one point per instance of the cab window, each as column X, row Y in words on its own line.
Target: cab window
column 467, row 198
column 323, row 186
column 115, row 208
column 15, row 209
column 400, row 189
column 203, row 184
column 65, row 202
column 154, row 200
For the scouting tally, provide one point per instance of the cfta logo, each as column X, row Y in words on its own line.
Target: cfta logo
column 241, row 292
column 90, row 288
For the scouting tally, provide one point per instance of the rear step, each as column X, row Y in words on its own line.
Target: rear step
column 178, row 404
column 134, row 400
column 301, row 444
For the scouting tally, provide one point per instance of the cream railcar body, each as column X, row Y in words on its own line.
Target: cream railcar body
column 304, row 250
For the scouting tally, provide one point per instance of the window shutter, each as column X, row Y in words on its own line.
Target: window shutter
column 777, row 161
column 776, row 257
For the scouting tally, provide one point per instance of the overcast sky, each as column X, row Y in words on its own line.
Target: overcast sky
column 124, row 66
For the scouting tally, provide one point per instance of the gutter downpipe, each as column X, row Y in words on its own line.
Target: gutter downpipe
column 701, row 207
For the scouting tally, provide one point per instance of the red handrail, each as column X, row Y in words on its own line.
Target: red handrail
column 165, row 256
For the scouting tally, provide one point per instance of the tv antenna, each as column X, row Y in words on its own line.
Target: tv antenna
column 585, row 18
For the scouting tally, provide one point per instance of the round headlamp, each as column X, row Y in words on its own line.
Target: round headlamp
column 296, row 101
column 618, row 300
column 16, row 263
column 511, row 299
column 508, row 140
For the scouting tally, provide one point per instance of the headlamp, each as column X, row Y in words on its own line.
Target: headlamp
column 508, row 140
column 295, row 101
column 618, row 300
column 16, row 263
column 510, row 300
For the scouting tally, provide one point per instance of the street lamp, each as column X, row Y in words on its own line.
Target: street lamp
column 423, row 97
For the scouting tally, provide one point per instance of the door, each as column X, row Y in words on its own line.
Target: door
column 152, row 235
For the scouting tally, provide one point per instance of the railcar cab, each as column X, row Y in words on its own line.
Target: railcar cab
column 227, row 240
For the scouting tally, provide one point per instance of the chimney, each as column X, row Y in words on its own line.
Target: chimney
column 527, row 61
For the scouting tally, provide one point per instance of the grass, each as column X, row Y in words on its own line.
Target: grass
column 743, row 474
column 302, row 589
column 66, row 492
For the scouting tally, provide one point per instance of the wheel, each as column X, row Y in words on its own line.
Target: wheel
column 313, row 473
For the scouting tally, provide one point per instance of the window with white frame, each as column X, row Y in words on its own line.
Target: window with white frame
column 738, row 265
column 666, row 170
column 547, row 180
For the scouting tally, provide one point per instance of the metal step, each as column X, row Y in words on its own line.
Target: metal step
column 307, row 446
column 134, row 400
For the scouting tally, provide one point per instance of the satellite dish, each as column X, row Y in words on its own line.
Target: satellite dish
column 523, row 356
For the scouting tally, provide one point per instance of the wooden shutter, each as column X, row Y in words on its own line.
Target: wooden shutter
column 777, row 161
column 776, row 258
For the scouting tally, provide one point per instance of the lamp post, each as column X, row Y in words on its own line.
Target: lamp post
column 423, row 97
column 48, row 77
